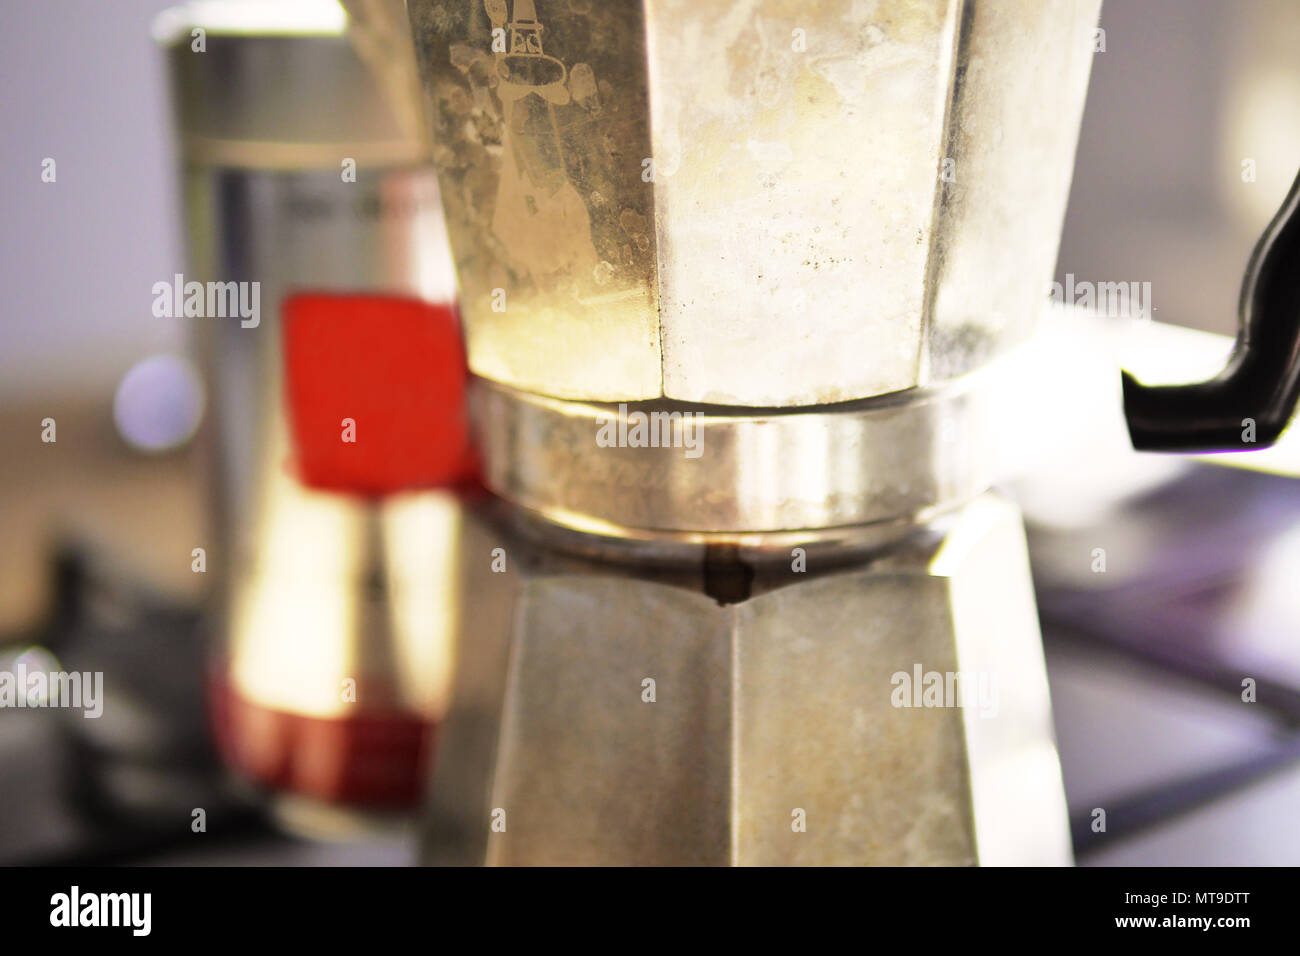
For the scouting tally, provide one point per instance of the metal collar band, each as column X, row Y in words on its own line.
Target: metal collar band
column 649, row 468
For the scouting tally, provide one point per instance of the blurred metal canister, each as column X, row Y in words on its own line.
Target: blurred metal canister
column 301, row 174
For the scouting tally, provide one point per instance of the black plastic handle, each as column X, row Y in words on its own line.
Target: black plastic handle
column 1255, row 394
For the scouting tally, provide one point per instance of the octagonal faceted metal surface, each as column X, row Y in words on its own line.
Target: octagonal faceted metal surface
column 750, row 202
column 772, row 730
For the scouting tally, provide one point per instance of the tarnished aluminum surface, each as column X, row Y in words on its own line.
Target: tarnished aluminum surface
column 776, row 733
column 758, row 203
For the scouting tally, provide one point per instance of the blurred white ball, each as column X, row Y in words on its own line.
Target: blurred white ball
column 159, row 403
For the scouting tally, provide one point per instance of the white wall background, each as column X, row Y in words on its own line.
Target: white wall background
column 81, row 82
